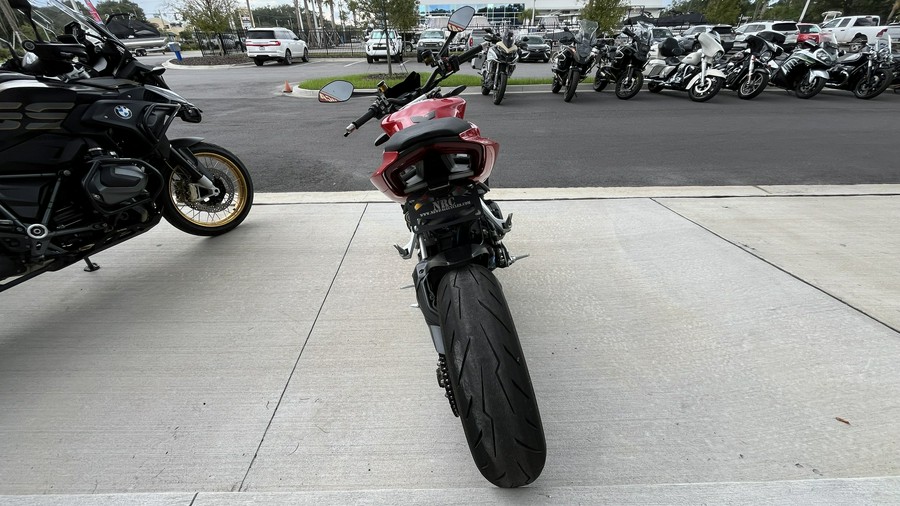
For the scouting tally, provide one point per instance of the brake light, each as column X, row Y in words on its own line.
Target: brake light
column 274, row 43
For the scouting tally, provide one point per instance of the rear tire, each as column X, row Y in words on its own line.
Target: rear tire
column 490, row 379
column 654, row 87
column 369, row 59
column 572, row 85
column 305, row 57
column 500, row 90
column 600, row 82
column 259, row 62
column 556, row 86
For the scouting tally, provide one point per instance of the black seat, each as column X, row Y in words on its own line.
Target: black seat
column 672, row 60
column 426, row 130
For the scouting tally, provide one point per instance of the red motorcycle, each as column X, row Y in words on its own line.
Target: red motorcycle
column 437, row 165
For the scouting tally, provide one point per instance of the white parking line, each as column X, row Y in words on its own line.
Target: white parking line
column 354, row 63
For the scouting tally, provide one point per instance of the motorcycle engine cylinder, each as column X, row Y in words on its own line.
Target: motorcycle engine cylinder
column 114, row 183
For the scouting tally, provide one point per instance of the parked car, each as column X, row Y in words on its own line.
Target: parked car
column 432, row 40
column 534, row 48
column 858, row 31
column 688, row 40
column 377, row 48
column 808, row 31
column 476, row 37
column 275, row 43
column 787, row 28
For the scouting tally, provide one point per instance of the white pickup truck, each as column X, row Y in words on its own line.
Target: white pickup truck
column 857, row 31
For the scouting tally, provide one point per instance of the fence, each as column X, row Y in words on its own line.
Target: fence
column 211, row 44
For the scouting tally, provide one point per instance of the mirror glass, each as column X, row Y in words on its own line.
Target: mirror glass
column 336, row 91
column 460, row 19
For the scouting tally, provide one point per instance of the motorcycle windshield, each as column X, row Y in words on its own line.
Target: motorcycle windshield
column 829, row 44
column 53, row 18
column 709, row 45
column 883, row 46
column 585, row 39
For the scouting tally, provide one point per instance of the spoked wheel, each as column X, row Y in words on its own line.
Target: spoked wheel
column 629, row 87
column 188, row 210
column 752, row 85
column 500, row 90
column 807, row 89
column 871, row 88
column 490, row 381
column 572, row 85
column 705, row 89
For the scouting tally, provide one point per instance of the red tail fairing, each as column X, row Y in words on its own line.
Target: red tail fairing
column 429, row 165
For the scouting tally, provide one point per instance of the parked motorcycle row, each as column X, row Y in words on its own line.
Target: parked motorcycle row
column 810, row 68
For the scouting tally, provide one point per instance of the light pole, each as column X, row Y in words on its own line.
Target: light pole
column 250, row 12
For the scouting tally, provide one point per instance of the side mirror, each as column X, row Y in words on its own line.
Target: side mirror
column 428, row 56
column 489, row 30
column 21, row 5
column 336, row 91
column 460, row 19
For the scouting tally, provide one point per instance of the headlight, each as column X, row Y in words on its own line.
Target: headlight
column 765, row 56
column 823, row 55
column 719, row 54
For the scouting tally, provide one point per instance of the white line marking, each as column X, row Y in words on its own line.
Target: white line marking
column 354, row 63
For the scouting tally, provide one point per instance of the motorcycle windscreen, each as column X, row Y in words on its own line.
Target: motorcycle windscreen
column 710, row 45
column 412, row 81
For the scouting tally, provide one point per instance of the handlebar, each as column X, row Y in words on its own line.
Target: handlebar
column 472, row 53
column 369, row 114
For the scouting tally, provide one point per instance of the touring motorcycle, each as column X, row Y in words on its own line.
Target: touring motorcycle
column 747, row 72
column 84, row 159
column 436, row 166
column 498, row 62
column 575, row 59
column 695, row 72
column 805, row 71
column 866, row 73
column 623, row 65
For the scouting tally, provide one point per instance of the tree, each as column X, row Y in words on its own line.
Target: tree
column 401, row 14
column 607, row 13
column 723, row 11
column 525, row 16
column 119, row 6
column 207, row 15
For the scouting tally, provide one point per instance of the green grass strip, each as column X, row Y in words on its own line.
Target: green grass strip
column 367, row 81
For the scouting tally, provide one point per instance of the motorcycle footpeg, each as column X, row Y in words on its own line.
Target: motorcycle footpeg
column 514, row 258
column 405, row 253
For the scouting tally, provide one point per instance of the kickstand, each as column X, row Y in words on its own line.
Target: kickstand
column 91, row 266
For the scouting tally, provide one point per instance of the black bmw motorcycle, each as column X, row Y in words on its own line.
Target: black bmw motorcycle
column 575, row 59
column 623, row 65
column 84, row 159
column 866, row 73
column 746, row 72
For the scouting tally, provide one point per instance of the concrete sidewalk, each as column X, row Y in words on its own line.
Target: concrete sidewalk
column 724, row 345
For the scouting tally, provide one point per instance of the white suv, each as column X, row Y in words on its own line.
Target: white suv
column 376, row 48
column 275, row 44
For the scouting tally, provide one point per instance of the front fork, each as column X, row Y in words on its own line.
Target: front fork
column 180, row 155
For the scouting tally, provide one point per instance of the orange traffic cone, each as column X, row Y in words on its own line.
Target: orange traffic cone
column 287, row 88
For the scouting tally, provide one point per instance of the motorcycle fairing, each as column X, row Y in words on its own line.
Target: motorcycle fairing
column 453, row 107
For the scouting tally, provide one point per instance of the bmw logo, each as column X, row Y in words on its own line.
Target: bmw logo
column 123, row 112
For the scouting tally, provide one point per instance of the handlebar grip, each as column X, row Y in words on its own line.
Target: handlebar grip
column 371, row 113
column 468, row 55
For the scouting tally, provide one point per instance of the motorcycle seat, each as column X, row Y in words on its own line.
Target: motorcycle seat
column 427, row 130
column 672, row 60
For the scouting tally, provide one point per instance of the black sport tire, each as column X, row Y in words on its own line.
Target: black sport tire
column 305, row 57
column 235, row 182
column 572, row 85
column 806, row 90
column 636, row 83
column 752, row 85
column 490, row 379
column 500, row 90
column 864, row 91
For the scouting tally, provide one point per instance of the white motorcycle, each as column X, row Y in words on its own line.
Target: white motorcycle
column 694, row 72
column 497, row 63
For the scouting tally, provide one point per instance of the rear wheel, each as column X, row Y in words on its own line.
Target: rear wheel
column 627, row 88
column 752, row 85
column 807, row 89
column 654, row 87
column 500, row 90
column 871, row 88
column 212, row 215
column 857, row 44
column 490, row 381
column 572, row 85
column 305, row 55
column 600, row 82
column 259, row 62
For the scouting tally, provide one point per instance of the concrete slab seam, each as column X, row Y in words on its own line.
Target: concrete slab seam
column 302, row 348
column 780, row 268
